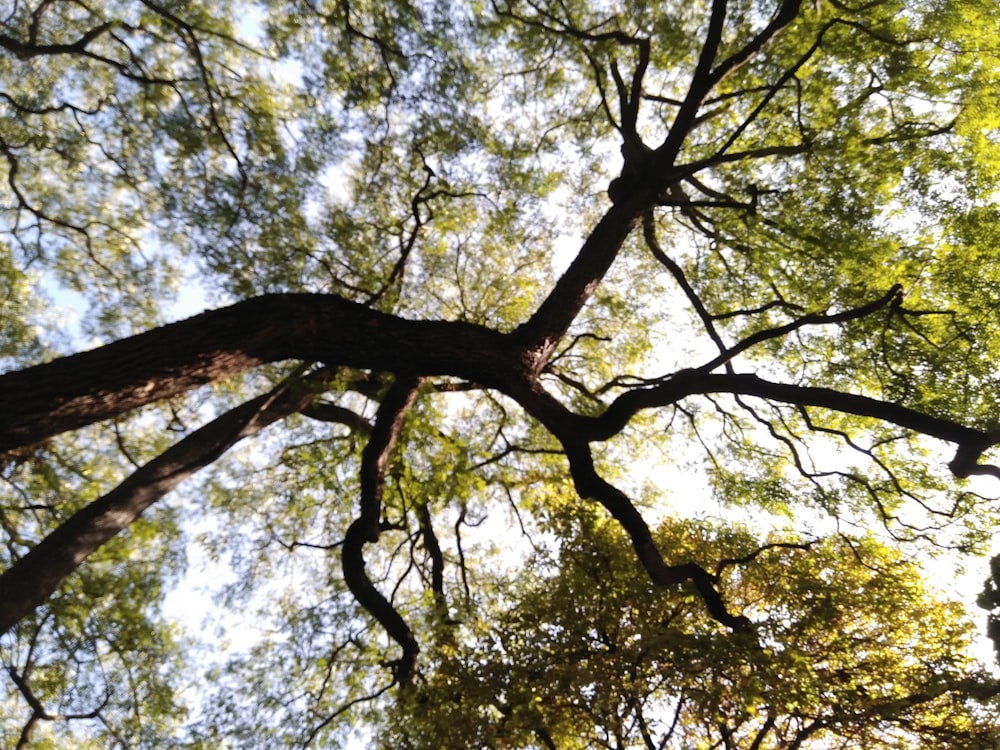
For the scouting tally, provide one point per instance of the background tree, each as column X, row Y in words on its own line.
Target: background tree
column 871, row 659
column 481, row 265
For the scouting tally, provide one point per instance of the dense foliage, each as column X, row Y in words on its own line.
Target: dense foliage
column 571, row 374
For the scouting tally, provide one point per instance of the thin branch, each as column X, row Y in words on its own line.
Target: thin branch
column 342, row 710
column 649, row 234
column 751, row 556
column 773, row 91
column 892, row 297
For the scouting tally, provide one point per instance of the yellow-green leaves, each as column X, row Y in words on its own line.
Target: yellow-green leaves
column 849, row 645
column 805, row 213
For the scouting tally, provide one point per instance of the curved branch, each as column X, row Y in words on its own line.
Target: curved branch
column 333, row 413
column 375, row 457
column 32, row 579
column 971, row 442
column 892, row 297
column 365, row 529
column 590, row 485
column 565, row 426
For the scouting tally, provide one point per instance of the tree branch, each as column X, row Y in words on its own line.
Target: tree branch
column 24, row 51
column 365, row 529
column 32, row 579
column 702, row 82
column 892, row 297
column 333, row 413
column 542, row 332
column 690, row 382
column 70, row 392
column 590, row 485
column 649, row 234
column 564, row 425
column 705, row 78
column 433, row 548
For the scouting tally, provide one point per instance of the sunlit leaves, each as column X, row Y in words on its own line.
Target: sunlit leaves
column 446, row 161
column 849, row 646
column 99, row 659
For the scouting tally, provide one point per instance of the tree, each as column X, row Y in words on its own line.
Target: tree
column 618, row 665
column 473, row 260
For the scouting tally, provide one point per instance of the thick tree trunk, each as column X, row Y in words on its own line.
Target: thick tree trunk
column 74, row 391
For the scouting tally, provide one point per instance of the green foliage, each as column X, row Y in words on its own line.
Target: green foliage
column 441, row 160
column 100, row 659
column 851, row 649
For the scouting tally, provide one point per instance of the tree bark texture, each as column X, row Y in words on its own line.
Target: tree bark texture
column 88, row 387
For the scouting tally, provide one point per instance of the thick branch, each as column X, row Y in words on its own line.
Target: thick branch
column 33, row 578
column 545, row 328
column 74, row 391
column 375, row 457
column 690, row 382
column 433, row 547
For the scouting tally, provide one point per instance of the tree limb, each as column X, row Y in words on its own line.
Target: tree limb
column 70, row 392
column 34, row 577
column 705, row 78
column 892, row 297
column 365, row 529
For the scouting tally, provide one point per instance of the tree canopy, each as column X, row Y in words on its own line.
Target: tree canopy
column 539, row 374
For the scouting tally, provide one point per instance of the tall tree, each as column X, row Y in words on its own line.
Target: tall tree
column 484, row 264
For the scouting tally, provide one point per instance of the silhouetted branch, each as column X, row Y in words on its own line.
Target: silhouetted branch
column 365, row 529
column 31, row 580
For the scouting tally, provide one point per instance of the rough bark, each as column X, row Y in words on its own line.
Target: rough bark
column 74, row 391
